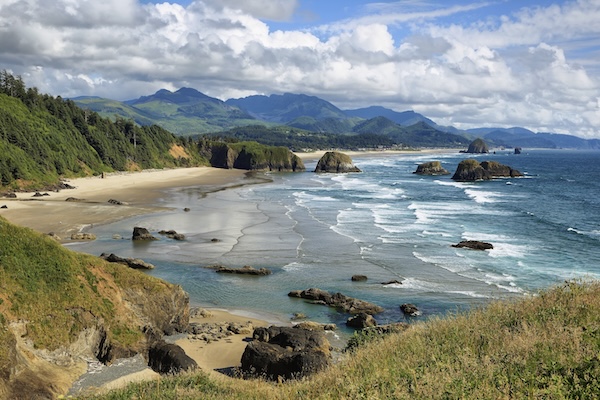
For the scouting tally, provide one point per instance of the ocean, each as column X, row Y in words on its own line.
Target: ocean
column 317, row 230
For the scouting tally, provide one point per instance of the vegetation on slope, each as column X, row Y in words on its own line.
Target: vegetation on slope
column 547, row 346
column 43, row 138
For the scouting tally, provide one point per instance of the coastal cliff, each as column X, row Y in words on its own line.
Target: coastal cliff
column 472, row 170
column 59, row 308
column 254, row 157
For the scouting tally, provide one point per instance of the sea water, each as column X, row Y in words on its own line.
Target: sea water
column 317, row 230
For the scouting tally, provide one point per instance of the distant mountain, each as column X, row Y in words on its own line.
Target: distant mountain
column 521, row 137
column 419, row 134
column 404, row 118
column 184, row 112
column 189, row 112
column 287, row 107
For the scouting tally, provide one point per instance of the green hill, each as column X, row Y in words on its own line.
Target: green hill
column 43, row 138
column 58, row 307
column 185, row 112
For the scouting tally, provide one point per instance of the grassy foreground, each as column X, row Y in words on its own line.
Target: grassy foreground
column 546, row 346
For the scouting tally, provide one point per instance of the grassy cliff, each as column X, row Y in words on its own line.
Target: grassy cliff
column 545, row 346
column 56, row 304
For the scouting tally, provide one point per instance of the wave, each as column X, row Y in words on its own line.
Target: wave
column 595, row 234
column 483, row 197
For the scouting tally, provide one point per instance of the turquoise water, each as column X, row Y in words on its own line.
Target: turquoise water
column 317, row 230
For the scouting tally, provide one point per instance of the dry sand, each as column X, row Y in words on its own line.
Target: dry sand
column 139, row 190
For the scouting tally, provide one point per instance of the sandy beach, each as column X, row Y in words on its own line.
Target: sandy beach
column 138, row 191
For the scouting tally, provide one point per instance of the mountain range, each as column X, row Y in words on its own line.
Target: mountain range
column 188, row 112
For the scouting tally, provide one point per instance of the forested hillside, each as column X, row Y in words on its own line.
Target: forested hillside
column 44, row 138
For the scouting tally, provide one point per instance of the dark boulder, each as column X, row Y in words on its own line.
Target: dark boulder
column 518, row 150
column 134, row 263
column 336, row 162
column 359, row 278
column 474, row 244
column 361, row 321
column 285, row 353
column 431, row 168
column 142, row 234
column 338, row 300
column 117, row 202
column 168, row 358
column 410, row 310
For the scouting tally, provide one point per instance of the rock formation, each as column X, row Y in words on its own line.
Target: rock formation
column 83, row 236
column 169, row 358
column 361, row 321
column 338, row 300
column 431, row 168
column 285, row 353
column 140, row 233
column 336, row 162
column 477, row 146
column 474, row 244
column 410, row 310
column 471, row 170
column 254, row 157
column 134, row 263
column 359, row 278
column 245, row 270
column 518, row 150
column 171, row 234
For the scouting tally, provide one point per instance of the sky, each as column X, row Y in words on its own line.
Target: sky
column 465, row 63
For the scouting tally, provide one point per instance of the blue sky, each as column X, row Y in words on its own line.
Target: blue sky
column 463, row 63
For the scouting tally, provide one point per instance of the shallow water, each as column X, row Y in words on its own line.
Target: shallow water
column 317, row 230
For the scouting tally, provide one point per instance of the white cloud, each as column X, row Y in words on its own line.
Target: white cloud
column 514, row 70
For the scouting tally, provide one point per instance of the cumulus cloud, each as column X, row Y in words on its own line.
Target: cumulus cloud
column 528, row 69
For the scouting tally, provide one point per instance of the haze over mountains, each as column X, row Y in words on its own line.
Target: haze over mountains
column 188, row 112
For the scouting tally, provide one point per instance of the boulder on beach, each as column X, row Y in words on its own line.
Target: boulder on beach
column 431, row 168
column 285, row 353
column 336, row 162
column 169, row 358
column 337, row 300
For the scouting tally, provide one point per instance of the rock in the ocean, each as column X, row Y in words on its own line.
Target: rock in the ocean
column 431, row 168
column 474, row 244
column 471, row 170
column 245, row 270
column 361, row 321
column 134, row 263
column 518, row 150
column 477, row 146
column 410, row 310
column 83, row 236
column 338, row 300
column 172, row 234
column 336, row 162
column 140, row 233
column 359, row 278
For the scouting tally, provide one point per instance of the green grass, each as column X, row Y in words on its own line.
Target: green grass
column 546, row 347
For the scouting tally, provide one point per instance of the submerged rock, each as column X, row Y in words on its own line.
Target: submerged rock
column 245, row 270
column 474, row 244
column 338, row 300
column 83, row 236
column 336, row 162
column 134, row 263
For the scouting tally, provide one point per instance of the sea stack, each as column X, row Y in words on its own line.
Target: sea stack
column 431, row 168
column 336, row 162
column 478, row 146
column 471, row 170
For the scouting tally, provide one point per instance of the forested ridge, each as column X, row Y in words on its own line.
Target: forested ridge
column 44, row 138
